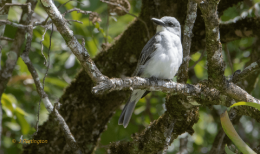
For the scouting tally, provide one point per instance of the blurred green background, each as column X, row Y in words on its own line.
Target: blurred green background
column 20, row 100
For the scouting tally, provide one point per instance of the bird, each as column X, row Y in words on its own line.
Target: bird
column 160, row 58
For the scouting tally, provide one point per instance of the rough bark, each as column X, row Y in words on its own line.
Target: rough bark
column 86, row 114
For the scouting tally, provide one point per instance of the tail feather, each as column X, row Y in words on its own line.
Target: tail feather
column 128, row 113
column 129, row 107
column 121, row 118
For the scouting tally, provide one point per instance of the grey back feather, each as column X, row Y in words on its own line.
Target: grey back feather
column 148, row 49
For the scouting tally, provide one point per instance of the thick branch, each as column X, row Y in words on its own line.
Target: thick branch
column 213, row 46
column 198, row 41
column 232, row 90
column 239, row 94
column 148, row 84
column 77, row 98
column 152, row 139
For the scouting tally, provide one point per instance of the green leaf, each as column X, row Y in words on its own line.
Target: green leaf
column 25, row 127
column 13, row 126
column 232, row 134
column 21, row 111
column 22, row 67
column 228, row 151
column 8, row 112
column 247, row 104
column 7, row 101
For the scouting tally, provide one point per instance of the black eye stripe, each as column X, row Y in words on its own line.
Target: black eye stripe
column 171, row 24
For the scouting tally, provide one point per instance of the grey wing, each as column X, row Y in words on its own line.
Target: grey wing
column 148, row 49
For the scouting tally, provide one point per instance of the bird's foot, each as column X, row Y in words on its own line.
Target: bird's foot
column 153, row 79
column 168, row 80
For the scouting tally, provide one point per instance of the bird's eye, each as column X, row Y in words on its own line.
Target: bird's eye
column 171, row 24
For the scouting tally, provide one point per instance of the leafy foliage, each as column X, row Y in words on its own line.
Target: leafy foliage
column 20, row 100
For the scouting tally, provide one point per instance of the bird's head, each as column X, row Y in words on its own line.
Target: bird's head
column 170, row 24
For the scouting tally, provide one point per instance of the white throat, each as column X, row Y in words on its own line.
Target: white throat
column 160, row 28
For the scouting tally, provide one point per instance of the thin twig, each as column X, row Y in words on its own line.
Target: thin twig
column 46, row 22
column 42, row 23
column 45, row 60
column 11, row 4
column 48, row 65
column 243, row 15
column 6, row 38
column 68, row 20
column 46, row 73
column 7, row 22
column 78, row 11
column 111, row 3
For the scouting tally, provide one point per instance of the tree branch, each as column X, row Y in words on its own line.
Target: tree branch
column 232, row 90
column 11, row 4
column 187, row 35
column 12, row 56
column 246, row 72
column 64, row 127
column 6, row 38
column 77, row 99
column 78, row 11
column 198, row 41
column 215, row 63
column 79, row 51
column 152, row 139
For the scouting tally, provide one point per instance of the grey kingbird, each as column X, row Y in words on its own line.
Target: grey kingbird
column 160, row 58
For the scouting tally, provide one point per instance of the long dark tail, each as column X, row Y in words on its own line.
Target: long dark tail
column 129, row 107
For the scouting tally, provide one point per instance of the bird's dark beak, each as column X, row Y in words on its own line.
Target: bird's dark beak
column 158, row 21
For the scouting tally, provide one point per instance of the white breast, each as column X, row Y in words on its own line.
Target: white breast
column 166, row 60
